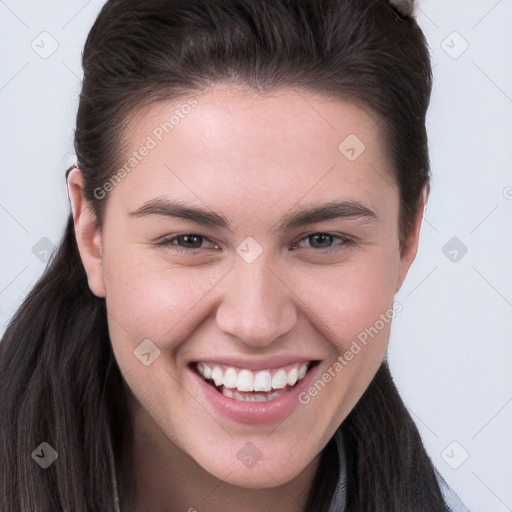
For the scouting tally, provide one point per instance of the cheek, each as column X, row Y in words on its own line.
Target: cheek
column 350, row 298
column 147, row 301
column 352, row 307
column 153, row 299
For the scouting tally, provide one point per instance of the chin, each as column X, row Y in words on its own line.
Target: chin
column 252, row 472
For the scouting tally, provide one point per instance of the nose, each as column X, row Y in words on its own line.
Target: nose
column 257, row 305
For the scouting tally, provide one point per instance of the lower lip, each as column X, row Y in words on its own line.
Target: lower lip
column 254, row 412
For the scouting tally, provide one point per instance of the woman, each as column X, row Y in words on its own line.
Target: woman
column 211, row 333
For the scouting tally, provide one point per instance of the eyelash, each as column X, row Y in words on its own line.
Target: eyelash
column 168, row 242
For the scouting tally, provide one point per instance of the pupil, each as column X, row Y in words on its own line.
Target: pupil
column 323, row 238
column 189, row 239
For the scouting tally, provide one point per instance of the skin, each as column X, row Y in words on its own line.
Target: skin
column 252, row 159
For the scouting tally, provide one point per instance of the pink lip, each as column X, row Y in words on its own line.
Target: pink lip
column 253, row 412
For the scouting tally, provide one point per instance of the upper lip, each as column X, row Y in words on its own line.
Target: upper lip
column 266, row 363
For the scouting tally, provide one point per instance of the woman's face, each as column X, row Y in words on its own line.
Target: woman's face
column 290, row 255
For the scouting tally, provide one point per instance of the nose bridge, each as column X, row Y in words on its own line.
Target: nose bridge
column 256, row 306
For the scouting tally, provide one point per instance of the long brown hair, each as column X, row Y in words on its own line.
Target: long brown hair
column 59, row 379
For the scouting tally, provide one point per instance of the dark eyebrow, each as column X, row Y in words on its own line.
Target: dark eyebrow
column 326, row 211
column 311, row 214
column 174, row 208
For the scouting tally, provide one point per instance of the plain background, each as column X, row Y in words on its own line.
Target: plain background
column 451, row 346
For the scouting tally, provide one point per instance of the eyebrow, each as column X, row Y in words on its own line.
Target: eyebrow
column 313, row 213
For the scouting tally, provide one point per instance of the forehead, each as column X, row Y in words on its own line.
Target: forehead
column 226, row 146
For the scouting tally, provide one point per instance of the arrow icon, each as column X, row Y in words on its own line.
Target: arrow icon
column 454, row 249
column 454, row 45
column 455, row 455
column 44, row 45
column 249, row 249
column 40, row 456
column 146, row 352
column 44, row 455
column 249, row 455
column 351, row 147
column 43, row 249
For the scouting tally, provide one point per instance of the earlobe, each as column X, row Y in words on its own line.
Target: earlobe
column 87, row 232
column 409, row 251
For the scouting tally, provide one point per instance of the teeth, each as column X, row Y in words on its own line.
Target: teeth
column 227, row 392
column 292, row 377
column 230, row 378
column 279, row 380
column 262, row 381
column 253, row 397
column 244, row 380
column 217, row 376
column 205, row 370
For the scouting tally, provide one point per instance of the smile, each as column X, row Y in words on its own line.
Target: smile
column 252, row 386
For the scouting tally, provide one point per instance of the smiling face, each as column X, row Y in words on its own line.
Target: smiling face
column 293, row 255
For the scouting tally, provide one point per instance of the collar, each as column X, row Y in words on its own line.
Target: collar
column 338, row 502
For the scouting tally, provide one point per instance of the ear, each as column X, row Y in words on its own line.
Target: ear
column 408, row 252
column 88, row 234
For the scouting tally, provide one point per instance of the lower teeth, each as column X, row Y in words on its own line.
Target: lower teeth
column 252, row 397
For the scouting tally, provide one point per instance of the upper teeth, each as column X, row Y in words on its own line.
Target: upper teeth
column 247, row 380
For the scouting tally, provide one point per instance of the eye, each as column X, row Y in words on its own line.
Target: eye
column 325, row 240
column 188, row 243
column 191, row 243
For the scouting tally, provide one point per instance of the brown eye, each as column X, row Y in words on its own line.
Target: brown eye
column 184, row 243
column 190, row 241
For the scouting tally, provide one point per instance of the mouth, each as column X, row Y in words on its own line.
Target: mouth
column 247, row 385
